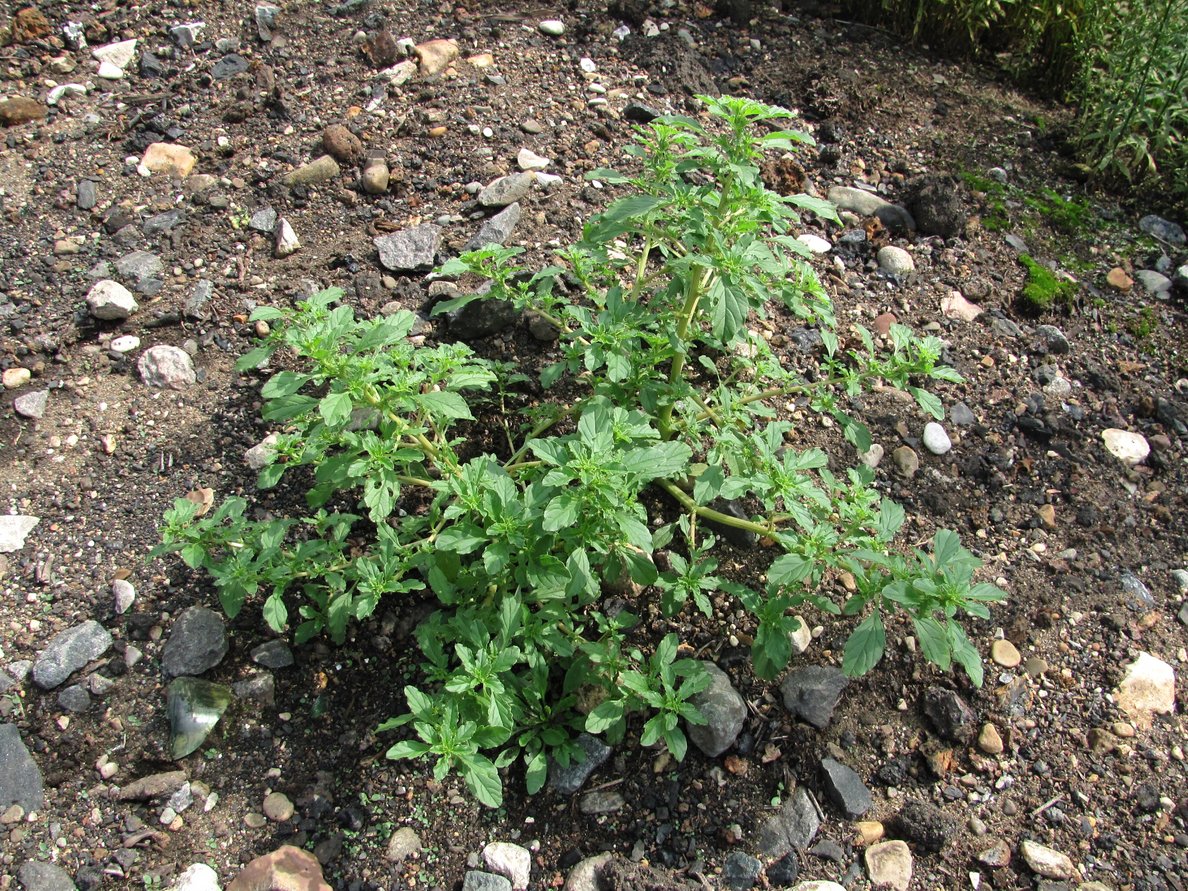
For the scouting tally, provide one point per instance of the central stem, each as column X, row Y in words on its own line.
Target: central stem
column 698, row 282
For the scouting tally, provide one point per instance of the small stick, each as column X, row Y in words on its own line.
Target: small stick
column 1047, row 804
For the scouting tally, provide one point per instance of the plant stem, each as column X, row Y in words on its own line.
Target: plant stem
column 696, row 287
column 708, row 513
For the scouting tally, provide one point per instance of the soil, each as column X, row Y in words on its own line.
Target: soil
column 1029, row 485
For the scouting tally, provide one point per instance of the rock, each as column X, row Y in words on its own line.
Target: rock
column 1046, row 862
column 845, row 789
column 962, row 416
column 1129, row 448
column 88, row 195
column 584, row 876
column 321, row 169
column 435, row 56
column 165, row 157
column 403, row 844
column 1153, row 282
column 481, row 318
column 603, row 802
column 163, row 223
column 263, row 220
column 197, row 643
column 277, row 807
column 815, row 243
column 724, row 711
column 375, row 175
column 895, row 261
column 552, row 27
column 274, row 654
column 802, row 637
column 819, row 886
column 285, row 868
column 496, row 230
column 187, row 34
column 530, row 160
column 936, row 204
column 936, row 440
column 74, row 698
column 32, row 405
column 14, row 529
column 1164, row 230
column 1004, row 653
column 197, row 877
column 167, row 366
column 410, row 250
column 199, row 300
column 483, row 881
column 1148, row 688
column 793, row 828
column 949, row 714
column 143, row 269
column 28, row 24
column 740, row 871
column 924, row 825
column 784, row 871
column 114, row 58
column 155, row 785
column 15, row 378
column 955, row 306
column 889, row 865
column 1117, row 279
column 20, row 777
column 266, row 18
column 37, row 876
column 506, row 190
column 511, row 861
column 69, row 651
column 284, row 240
column 259, row 688
column 812, row 693
column 341, row 144
column 194, row 707
column 867, row 204
column 567, row 780
column 906, row 461
column 989, row 740
column 996, row 856
column 1052, row 340
column 19, row 110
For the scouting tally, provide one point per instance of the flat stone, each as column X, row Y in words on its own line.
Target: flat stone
column 955, row 306
column 285, row 868
column 156, row 785
column 125, row 343
column 568, row 780
column 724, row 711
column 229, row 66
column 846, row 789
column 1153, row 282
column 266, row 19
column 936, row 440
column 962, row 415
column 1005, row 653
column 906, row 461
column 812, row 693
column 1129, row 448
column 510, row 861
column 403, row 844
column 69, row 651
column 483, row 881
column 75, row 699
column 139, row 267
column 166, row 157
column 996, row 856
column 526, row 159
column 108, row 300
column 198, row 303
column 197, row 643
column 895, row 260
column 1117, row 279
column 506, row 190
column 167, row 366
column 15, row 378
column 319, row 170
column 793, row 828
column 435, row 56
column 552, row 27
column 285, row 242
column 604, row 802
column 1148, row 688
column 1162, row 229
column 496, row 230
column 273, row 654
column 889, row 865
column 32, row 405
column 262, row 453
column 815, row 243
column 410, row 250
column 118, row 55
column 14, row 529
column 20, row 110
column 38, row 876
column 481, row 318
column 740, row 871
column 259, row 688
column 869, row 205
column 1045, row 861
column 341, row 144
column 277, row 807
column 21, row 783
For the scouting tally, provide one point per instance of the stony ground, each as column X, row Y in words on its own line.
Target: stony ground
column 152, row 193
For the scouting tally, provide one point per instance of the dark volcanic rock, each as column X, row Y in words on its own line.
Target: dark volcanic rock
column 811, row 693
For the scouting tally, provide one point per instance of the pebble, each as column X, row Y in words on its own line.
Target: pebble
column 724, row 711
column 403, row 844
column 376, row 175
column 511, row 861
column 167, row 157
column 867, row 204
column 1129, row 448
column 1045, row 861
column 109, row 301
column 906, row 461
column 20, row 110
column 285, row 241
column 936, row 440
column 114, row 58
column 69, row 651
column 845, row 789
column 1153, row 282
column 252, row 820
column 125, row 343
column 506, row 190
column 321, row 169
column 197, row 643
column 273, row 654
column 32, row 405
column 341, row 144
column 15, row 378
column 815, row 243
column 277, row 807
column 167, row 366
column 895, row 261
column 949, row 713
column 1147, row 688
column 38, row 876
column 484, row 881
column 1165, row 230
column 435, row 56
column 497, row 229
column 955, row 306
column 989, row 740
column 14, row 529
column 1005, row 653
column 872, row 456
column 869, row 832
column 740, row 871
column 409, row 250
column 889, row 865
column 530, row 160
column 552, row 27
column 812, row 693
column 997, row 856
column 1117, row 279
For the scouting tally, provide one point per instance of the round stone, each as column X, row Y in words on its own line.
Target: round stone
column 895, row 260
column 16, row 377
column 936, row 440
column 552, row 27
column 989, row 740
column 125, row 343
column 1129, row 448
column 1004, row 653
column 277, row 807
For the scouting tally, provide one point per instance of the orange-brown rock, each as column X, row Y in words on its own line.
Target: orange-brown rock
column 285, row 869
column 20, row 110
column 29, row 25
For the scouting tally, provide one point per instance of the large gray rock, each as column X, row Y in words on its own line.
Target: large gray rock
column 108, row 300
column 845, row 789
column 143, row 269
column 32, row 405
column 1162, row 229
column 20, row 777
column 724, row 711
column 949, row 714
column 811, row 693
column 197, row 643
column 68, row 652
column 937, row 207
column 495, row 230
column 167, row 366
column 14, row 529
column 484, row 881
column 481, row 318
column 793, row 828
column 568, row 780
column 867, row 204
column 38, row 876
column 410, row 250
column 506, row 190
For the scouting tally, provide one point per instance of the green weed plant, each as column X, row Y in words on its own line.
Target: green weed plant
column 540, row 552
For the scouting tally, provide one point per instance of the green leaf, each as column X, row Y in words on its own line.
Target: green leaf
column 865, row 646
column 788, row 570
column 658, row 461
column 284, row 383
column 254, row 358
column 605, row 716
column 265, row 314
column 561, row 512
column 537, row 773
column 269, row 476
column 965, row 653
column 929, row 402
column 408, row 748
column 630, row 208
column 193, row 555
column 891, row 517
column 445, row 404
column 336, row 408
column 287, row 407
column 275, row 612
column 483, row 780
column 934, row 642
